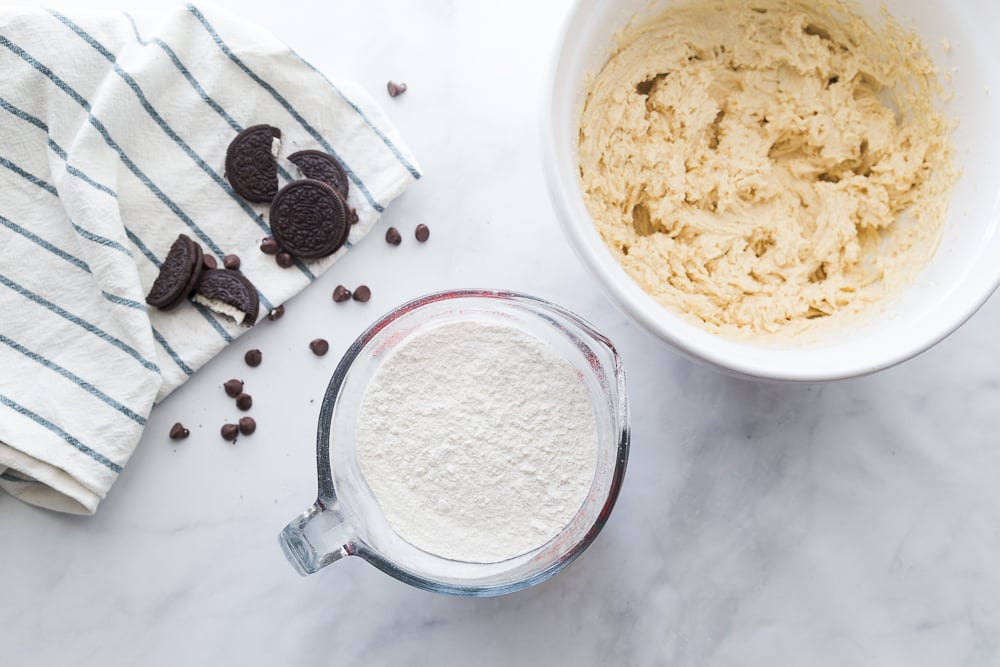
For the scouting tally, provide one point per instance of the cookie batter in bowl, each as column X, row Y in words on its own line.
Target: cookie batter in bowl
column 767, row 166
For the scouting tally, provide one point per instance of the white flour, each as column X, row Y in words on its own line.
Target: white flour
column 478, row 441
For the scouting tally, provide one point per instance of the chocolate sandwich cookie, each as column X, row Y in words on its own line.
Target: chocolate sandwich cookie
column 250, row 163
column 179, row 274
column 309, row 219
column 321, row 166
column 228, row 293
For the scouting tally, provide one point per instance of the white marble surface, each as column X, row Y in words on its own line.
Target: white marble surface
column 855, row 523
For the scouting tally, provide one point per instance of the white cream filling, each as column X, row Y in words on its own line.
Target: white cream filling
column 221, row 307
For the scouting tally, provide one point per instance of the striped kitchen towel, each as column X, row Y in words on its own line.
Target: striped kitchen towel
column 113, row 135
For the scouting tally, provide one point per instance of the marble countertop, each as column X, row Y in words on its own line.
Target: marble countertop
column 841, row 524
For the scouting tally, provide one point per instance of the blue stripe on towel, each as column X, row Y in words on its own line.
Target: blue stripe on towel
column 76, row 261
column 100, row 240
column 111, row 297
column 122, row 301
column 173, row 355
column 28, row 177
column 83, row 384
column 66, row 88
column 42, row 242
column 83, row 265
column 99, row 126
column 23, row 115
column 186, row 73
column 42, row 421
column 56, row 148
column 14, row 227
column 73, row 171
column 83, row 324
column 284, row 103
column 137, row 242
column 170, row 132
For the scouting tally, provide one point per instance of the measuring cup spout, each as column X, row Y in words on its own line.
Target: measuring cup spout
column 316, row 538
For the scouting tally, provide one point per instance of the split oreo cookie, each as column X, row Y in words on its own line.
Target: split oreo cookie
column 309, row 219
column 251, row 165
column 321, row 166
column 179, row 274
column 228, row 293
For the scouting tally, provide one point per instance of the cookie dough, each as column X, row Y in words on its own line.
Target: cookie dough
column 763, row 166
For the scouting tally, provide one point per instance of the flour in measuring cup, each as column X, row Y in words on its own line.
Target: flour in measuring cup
column 478, row 441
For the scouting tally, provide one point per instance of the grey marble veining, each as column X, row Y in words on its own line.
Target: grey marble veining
column 851, row 523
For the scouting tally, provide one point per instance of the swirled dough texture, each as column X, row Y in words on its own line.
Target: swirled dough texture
column 761, row 166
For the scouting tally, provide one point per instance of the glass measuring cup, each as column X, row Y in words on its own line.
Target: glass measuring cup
column 346, row 519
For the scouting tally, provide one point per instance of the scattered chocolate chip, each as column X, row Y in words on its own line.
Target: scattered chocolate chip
column 231, row 262
column 284, row 259
column 179, row 273
column 395, row 89
column 250, row 163
column 319, row 347
column 269, row 246
column 247, row 425
column 229, row 293
column 253, row 357
column 341, row 294
column 362, row 293
column 233, row 388
column 229, row 432
column 178, row 432
column 276, row 313
column 422, row 233
column 244, row 401
column 321, row 166
column 393, row 237
column 353, row 216
column 209, row 262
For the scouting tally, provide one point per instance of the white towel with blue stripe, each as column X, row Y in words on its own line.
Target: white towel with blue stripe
column 113, row 135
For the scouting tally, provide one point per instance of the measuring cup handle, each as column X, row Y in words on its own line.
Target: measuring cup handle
column 316, row 538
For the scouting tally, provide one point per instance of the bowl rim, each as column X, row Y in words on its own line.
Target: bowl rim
column 626, row 294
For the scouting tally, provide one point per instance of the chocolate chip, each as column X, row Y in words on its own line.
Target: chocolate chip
column 244, row 401
column 229, row 432
column 209, row 262
column 352, row 217
column 233, row 388
column 422, row 233
column 393, row 237
column 178, row 432
column 276, row 313
column 253, row 357
column 341, row 294
column 319, row 347
column 284, row 259
column 231, row 262
column 269, row 246
column 247, row 425
column 362, row 293
column 395, row 89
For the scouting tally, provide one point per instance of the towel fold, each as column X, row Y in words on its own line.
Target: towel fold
column 113, row 135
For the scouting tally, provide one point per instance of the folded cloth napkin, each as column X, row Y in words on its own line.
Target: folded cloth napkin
column 113, row 136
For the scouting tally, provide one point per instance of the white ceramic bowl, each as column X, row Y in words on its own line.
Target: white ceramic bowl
column 963, row 273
